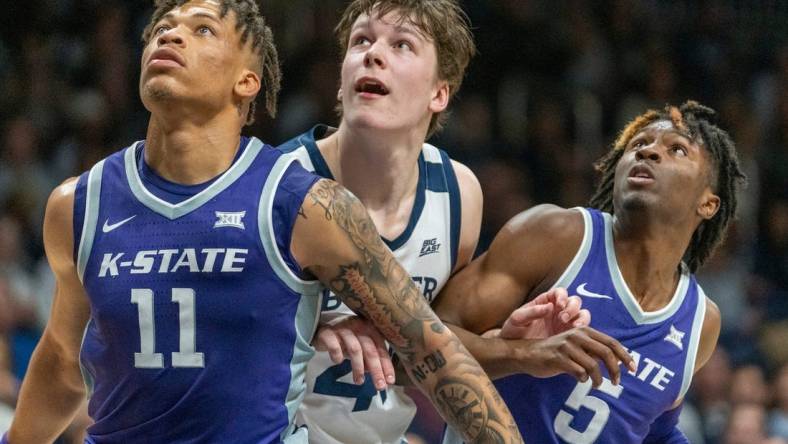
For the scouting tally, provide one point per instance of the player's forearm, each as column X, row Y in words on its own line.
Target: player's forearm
column 363, row 273
column 498, row 357
column 433, row 356
column 51, row 394
column 463, row 394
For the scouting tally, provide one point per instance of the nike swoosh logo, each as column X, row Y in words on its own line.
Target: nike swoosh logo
column 581, row 290
column 107, row 227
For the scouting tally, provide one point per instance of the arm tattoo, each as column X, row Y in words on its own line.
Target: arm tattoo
column 377, row 287
column 429, row 365
column 371, row 285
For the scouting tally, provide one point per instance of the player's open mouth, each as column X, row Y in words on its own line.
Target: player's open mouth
column 371, row 86
column 640, row 174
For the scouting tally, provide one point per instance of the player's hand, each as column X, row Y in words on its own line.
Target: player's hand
column 546, row 315
column 356, row 339
column 577, row 352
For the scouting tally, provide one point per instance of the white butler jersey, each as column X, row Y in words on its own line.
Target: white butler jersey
column 335, row 409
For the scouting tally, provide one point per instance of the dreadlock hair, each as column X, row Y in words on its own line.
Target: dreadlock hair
column 699, row 122
column 252, row 26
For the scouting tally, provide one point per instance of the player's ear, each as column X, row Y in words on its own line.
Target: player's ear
column 339, row 95
column 440, row 97
column 709, row 204
column 248, row 84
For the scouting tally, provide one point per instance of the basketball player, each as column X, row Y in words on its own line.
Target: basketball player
column 185, row 266
column 667, row 194
column 403, row 62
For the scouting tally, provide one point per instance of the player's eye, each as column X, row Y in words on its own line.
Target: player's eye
column 361, row 40
column 161, row 29
column 205, row 30
column 404, row 45
column 679, row 149
column 638, row 143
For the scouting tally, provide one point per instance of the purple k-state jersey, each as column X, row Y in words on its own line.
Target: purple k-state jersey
column 663, row 344
column 200, row 324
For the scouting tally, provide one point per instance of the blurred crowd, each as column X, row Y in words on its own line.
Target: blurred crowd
column 552, row 84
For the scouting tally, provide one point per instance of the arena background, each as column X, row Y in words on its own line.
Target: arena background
column 552, row 83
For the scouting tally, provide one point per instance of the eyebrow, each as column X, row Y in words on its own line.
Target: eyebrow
column 672, row 131
column 211, row 17
column 206, row 15
column 397, row 28
column 681, row 134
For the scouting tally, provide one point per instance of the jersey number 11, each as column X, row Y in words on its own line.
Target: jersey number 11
column 148, row 358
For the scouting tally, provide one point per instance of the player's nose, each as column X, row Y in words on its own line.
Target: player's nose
column 170, row 36
column 648, row 152
column 374, row 56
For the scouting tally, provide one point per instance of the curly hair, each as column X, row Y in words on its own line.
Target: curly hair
column 251, row 24
column 443, row 21
column 700, row 123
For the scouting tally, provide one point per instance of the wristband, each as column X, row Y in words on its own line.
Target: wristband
column 4, row 438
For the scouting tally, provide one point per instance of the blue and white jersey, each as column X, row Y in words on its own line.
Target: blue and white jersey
column 663, row 344
column 200, row 324
column 335, row 409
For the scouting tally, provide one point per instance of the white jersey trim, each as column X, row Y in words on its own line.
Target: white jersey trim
column 694, row 342
column 174, row 211
column 308, row 311
column 266, row 229
column 92, row 201
column 623, row 291
column 574, row 267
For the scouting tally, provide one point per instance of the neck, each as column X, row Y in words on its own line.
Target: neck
column 188, row 152
column 649, row 253
column 380, row 168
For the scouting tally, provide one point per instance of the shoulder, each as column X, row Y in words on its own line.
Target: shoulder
column 470, row 189
column 471, row 202
column 537, row 245
column 58, row 222
column 545, row 223
column 295, row 142
column 710, row 332
column 311, row 136
column 61, row 200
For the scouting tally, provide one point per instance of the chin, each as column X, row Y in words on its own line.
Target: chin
column 638, row 202
column 368, row 121
column 157, row 91
column 388, row 122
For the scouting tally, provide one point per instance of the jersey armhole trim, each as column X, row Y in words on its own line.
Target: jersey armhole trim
column 694, row 342
column 571, row 271
column 92, row 198
column 266, row 230
column 455, row 206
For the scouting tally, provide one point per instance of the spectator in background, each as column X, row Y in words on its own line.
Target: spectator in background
column 778, row 419
column 65, row 70
column 25, row 182
column 709, row 393
column 746, row 425
column 14, row 270
column 748, row 386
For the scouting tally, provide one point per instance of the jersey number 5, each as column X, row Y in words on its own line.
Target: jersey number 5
column 580, row 398
column 148, row 358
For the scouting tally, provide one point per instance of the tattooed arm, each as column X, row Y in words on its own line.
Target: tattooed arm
column 334, row 239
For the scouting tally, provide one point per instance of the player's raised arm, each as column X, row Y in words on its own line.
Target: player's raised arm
column 518, row 266
column 335, row 239
column 53, row 388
